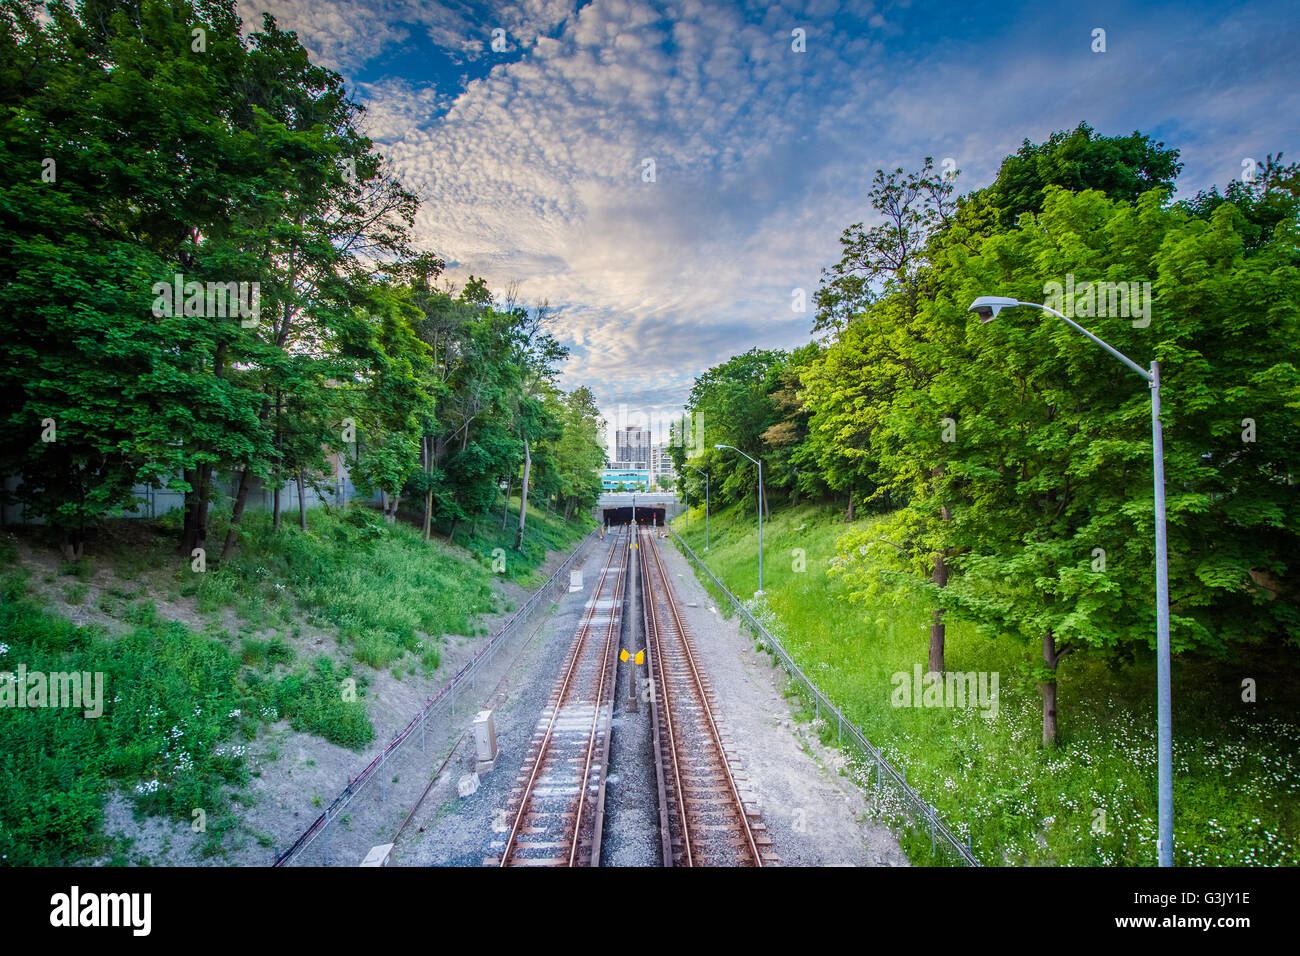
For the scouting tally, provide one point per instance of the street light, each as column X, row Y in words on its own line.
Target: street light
column 760, row 513
column 988, row 306
column 706, row 506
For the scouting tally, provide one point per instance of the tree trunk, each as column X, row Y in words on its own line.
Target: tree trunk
column 241, row 499
column 523, row 497
column 195, row 533
column 388, row 505
column 205, row 485
column 426, row 448
column 848, row 512
column 937, row 628
column 241, row 496
column 275, row 475
column 72, row 546
column 451, row 536
column 1051, row 658
column 505, row 512
column 191, row 478
column 939, row 577
column 302, row 503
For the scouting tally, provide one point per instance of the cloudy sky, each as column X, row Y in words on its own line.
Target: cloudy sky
column 528, row 129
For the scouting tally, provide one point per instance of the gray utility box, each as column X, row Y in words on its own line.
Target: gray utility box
column 485, row 740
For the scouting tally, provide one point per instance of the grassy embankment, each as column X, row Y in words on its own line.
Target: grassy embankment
column 186, row 689
column 1092, row 800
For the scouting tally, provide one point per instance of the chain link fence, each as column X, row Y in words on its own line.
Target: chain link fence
column 891, row 787
column 428, row 720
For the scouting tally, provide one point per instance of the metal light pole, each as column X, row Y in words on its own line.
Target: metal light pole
column 988, row 307
column 760, row 512
column 706, row 506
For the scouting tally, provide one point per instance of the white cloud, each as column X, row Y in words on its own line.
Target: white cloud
column 533, row 171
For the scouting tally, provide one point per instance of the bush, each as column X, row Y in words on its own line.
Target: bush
column 313, row 701
column 170, row 696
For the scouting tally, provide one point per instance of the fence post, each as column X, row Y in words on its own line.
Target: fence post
column 422, row 715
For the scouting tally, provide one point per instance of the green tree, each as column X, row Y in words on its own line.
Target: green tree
column 734, row 403
column 888, row 258
column 1122, row 167
column 390, row 399
column 1048, row 472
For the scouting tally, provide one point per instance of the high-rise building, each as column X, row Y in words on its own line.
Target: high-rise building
column 632, row 448
column 661, row 463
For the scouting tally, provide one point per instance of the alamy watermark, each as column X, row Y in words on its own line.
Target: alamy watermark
column 212, row 300
column 947, row 689
column 130, row 910
column 76, row 689
column 1122, row 300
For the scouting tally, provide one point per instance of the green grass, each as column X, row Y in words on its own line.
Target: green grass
column 178, row 708
column 383, row 590
column 491, row 544
column 182, row 703
column 382, row 587
column 1236, row 764
column 75, row 593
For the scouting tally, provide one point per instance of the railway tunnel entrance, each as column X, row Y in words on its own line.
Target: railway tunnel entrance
column 647, row 515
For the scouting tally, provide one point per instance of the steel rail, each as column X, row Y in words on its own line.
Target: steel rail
column 605, row 659
column 673, row 606
column 575, row 656
column 656, row 682
column 662, row 692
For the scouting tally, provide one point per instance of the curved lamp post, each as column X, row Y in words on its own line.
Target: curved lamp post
column 988, row 306
column 760, row 512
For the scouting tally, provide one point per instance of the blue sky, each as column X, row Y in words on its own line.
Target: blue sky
column 530, row 159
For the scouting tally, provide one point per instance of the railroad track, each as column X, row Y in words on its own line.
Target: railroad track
column 707, row 816
column 559, row 802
